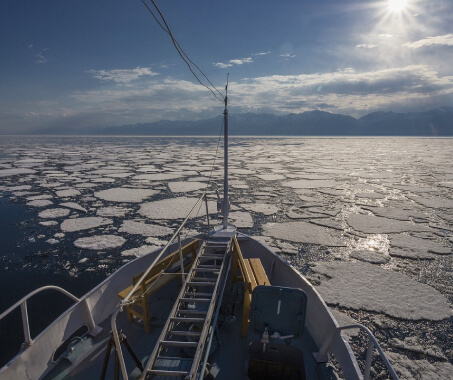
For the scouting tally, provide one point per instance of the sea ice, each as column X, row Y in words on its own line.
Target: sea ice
column 422, row 369
column 270, row 177
column 369, row 224
column 39, row 203
column 241, row 219
column 100, row 242
column 73, row 206
column 262, row 208
column 113, row 211
column 310, row 184
column 139, row 251
column 370, row 195
column 184, row 187
column 396, row 213
column 138, row 228
column 79, row 224
column 15, row 171
column 363, row 286
column 372, row 257
column 302, row 232
column 67, row 193
column 175, row 208
column 54, row 213
column 434, row 202
column 125, row 194
column 415, row 248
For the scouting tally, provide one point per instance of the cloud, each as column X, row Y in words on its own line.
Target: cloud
column 262, row 53
column 385, row 35
column 366, row 46
column 446, row 40
column 122, row 75
column 232, row 62
column 287, row 55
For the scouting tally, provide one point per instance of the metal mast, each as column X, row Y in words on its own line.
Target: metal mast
column 226, row 203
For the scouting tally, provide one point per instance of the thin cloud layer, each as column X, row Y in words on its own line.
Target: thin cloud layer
column 232, row 62
column 122, row 75
column 445, row 40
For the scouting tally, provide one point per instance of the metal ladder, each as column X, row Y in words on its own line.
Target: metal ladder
column 180, row 347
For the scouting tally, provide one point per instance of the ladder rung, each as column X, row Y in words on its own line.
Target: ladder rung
column 175, row 343
column 195, row 283
column 200, row 294
column 207, row 266
column 195, row 300
column 204, row 279
column 187, row 319
column 161, row 372
column 194, row 334
column 199, row 312
column 205, row 269
column 212, row 257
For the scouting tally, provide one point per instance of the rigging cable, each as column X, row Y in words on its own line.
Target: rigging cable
column 181, row 52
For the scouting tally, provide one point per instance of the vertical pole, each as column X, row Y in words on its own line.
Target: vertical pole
column 207, row 210
column 181, row 259
column 369, row 358
column 26, row 327
column 226, row 203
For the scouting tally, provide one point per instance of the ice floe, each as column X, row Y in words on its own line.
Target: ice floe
column 415, row 248
column 175, row 208
column 125, row 194
column 310, row 184
column 370, row 224
column 73, row 206
column 302, row 232
column 67, row 193
column 39, row 203
column 139, row 251
column 15, row 171
column 184, row 187
column 372, row 257
column 422, row 369
column 262, row 208
column 144, row 229
column 363, row 286
column 54, row 213
column 80, row 224
column 100, row 242
column 113, row 211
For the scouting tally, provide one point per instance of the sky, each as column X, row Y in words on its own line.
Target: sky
column 108, row 63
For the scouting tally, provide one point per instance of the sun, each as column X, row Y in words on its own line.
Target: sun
column 397, row 5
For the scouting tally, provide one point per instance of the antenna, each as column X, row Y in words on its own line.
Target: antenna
column 226, row 202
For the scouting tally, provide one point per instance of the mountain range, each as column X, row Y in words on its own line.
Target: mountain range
column 437, row 122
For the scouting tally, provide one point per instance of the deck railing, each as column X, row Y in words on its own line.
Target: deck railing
column 93, row 329
column 372, row 344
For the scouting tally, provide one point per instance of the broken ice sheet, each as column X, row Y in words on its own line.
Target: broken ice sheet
column 113, row 211
column 100, row 242
column 415, row 248
column 363, row 286
column 302, row 232
column 373, row 257
column 144, row 229
column 80, row 224
column 370, row 224
column 262, row 208
column 184, row 187
column 125, row 194
column 54, row 213
column 408, row 369
column 310, row 184
column 175, row 208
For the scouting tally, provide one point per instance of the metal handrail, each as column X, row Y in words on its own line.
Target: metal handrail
column 23, row 305
column 126, row 301
column 372, row 343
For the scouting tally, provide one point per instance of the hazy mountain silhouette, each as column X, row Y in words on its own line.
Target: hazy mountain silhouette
column 437, row 122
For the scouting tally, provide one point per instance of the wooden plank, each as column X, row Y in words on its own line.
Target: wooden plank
column 259, row 272
column 249, row 274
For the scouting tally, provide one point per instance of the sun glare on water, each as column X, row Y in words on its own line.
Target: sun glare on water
column 397, row 5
